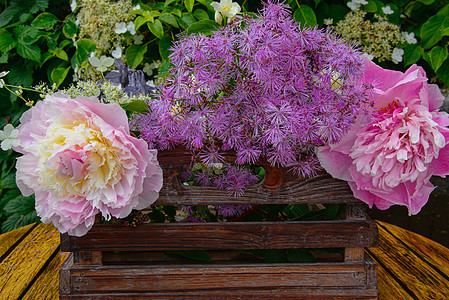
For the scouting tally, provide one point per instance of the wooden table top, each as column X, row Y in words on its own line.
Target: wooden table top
column 410, row 266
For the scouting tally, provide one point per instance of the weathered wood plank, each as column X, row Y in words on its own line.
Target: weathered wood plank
column 319, row 189
column 420, row 279
column 260, row 278
column 8, row 239
column 389, row 288
column 26, row 261
column 46, row 285
column 430, row 251
column 225, row 235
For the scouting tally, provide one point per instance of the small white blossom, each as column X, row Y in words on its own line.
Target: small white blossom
column 136, row 7
column 131, row 28
column 387, row 10
column 102, row 63
column 329, row 21
column 397, row 54
column 138, row 39
column 73, row 5
column 148, row 69
column 77, row 22
column 120, row 28
column 151, row 83
column 3, row 74
column 117, row 53
column 409, row 37
column 353, row 5
column 226, row 8
column 369, row 56
column 361, row 2
column 8, row 136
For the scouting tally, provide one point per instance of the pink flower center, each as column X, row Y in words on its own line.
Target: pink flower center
column 398, row 145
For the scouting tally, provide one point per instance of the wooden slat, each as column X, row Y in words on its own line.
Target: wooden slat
column 430, row 251
column 46, row 285
column 320, row 189
column 8, row 239
column 27, row 259
column 258, row 278
column 226, row 235
column 417, row 277
column 389, row 288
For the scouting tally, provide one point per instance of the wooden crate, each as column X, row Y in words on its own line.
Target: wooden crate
column 143, row 271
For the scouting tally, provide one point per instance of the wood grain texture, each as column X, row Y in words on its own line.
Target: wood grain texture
column 431, row 252
column 46, row 285
column 287, row 188
column 203, row 280
column 389, row 288
column 8, row 239
column 225, row 235
column 27, row 260
column 421, row 280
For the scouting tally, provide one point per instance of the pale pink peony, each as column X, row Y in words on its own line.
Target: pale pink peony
column 394, row 148
column 80, row 159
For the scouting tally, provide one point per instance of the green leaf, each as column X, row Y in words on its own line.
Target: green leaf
column 300, row 256
column 200, row 255
column 44, row 21
column 189, row 5
column 26, row 34
column 134, row 55
column 412, row 53
column 186, row 20
column 8, row 14
column 69, row 28
column 165, row 67
column 135, row 106
column 437, row 56
column 338, row 12
column 156, row 216
column 205, row 27
column 274, row 256
column 20, row 205
column 9, row 196
column 169, row 19
column 86, row 45
column 39, row 5
column 201, row 14
column 332, row 211
column 443, row 72
column 445, row 27
column 168, row 2
column 431, row 31
column 7, row 42
column 371, row 7
column 295, row 211
column 20, row 74
column 18, row 220
column 59, row 74
column 426, row 2
column 165, row 44
column 156, row 28
column 31, row 52
column 305, row 16
column 9, row 182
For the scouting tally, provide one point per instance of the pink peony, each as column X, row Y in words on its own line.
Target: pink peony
column 391, row 152
column 80, row 159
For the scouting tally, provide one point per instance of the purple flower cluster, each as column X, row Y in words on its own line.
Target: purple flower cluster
column 232, row 210
column 260, row 87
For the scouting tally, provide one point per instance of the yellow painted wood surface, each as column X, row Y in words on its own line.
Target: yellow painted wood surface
column 27, row 260
column 7, row 240
column 408, row 268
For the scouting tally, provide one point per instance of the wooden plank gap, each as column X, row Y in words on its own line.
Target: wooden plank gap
column 430, row 264
column 39, row 273
column 393, row 276
column 13, row 246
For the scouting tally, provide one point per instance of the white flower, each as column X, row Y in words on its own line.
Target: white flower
column 387, row 10
column 138, row 39
column 77, row 22
column 102, row 63
column 226, row 8
column 131, row 28
column 329, row 21
column 397, row 54
column 120, row 28
column 409, row 37
column 73, row 5
column 353, row 5
column 117, row 53
column 136, row 7
column 3, row 74
column 151, row 83
column 362, row 2
column 369, row 56
column 9, row 137
column 148, row 69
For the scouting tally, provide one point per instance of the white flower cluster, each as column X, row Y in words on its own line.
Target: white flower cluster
column 397, row 54
column 409, row 37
